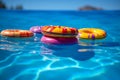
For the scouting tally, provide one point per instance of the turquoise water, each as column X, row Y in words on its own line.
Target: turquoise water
column 28, row 58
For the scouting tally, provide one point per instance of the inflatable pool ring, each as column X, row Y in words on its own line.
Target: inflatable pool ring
column 91, row 33
column 59, row 40
column 36, row 29
column 59, row 31
column 16, row 33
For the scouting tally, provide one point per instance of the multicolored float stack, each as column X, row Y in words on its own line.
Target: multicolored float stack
column 59, row 35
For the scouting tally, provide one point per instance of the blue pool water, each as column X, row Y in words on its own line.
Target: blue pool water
column 30, row 59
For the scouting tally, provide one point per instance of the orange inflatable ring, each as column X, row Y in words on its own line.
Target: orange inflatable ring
column 16, row 33
column 91, row 33
column 59, row 31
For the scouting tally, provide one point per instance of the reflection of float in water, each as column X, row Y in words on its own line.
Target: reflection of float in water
column 72, row 51
column 69, row 66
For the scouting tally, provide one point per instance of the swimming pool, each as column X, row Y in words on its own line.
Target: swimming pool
column 28, row 58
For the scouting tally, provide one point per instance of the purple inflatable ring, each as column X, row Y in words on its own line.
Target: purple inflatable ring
column 35, row 29
column 58, row 40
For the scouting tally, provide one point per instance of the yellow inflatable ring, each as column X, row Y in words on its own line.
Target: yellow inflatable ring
column 59, row 31
column 91, row 33
column 16, row 33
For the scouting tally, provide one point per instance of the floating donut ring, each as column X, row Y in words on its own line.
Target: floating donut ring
column 36, row 29
column 91, row 33
column 58, row 40
column 59, row 31
column 16, row 33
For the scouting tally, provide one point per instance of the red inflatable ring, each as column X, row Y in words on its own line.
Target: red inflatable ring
column 16, row 33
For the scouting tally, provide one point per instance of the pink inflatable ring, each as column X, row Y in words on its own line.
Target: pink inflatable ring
column 58, row 40
column 35, row 29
